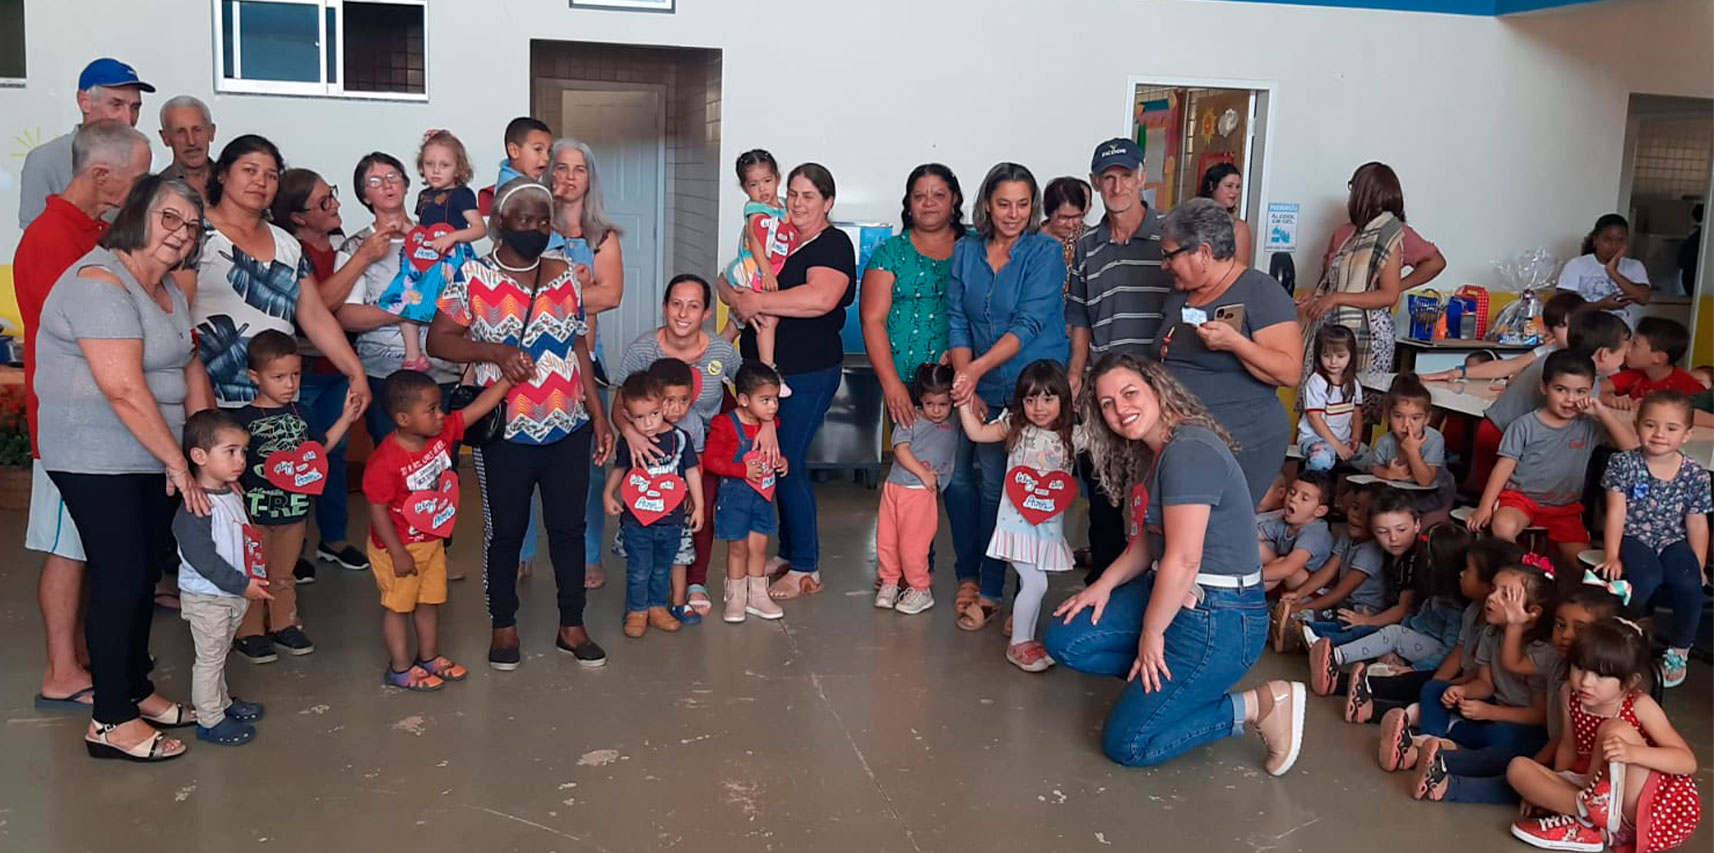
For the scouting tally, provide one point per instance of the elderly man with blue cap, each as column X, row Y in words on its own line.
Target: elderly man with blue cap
column 107, row 89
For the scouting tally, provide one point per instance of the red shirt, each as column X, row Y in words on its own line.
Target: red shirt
column 722, row 447
column 1637, row 384
column 320, row 260
column 53, row 242
column 393, row 473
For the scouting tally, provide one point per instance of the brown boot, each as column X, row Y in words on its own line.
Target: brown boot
column 661, row 620
column 636, row 623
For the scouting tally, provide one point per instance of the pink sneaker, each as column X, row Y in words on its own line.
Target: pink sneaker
column 1559, row 832
column 1397, row 751
column 1323, row 669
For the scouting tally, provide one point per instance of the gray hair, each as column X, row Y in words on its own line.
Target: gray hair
column 1002, row 173
column 106, row 143
column 596, row 224
column 1201, row 221
column 178, row 101
column 135, row 220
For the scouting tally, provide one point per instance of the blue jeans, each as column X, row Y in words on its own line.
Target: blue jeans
column 1673, row 567
column 1208, row 649
column 801, row 416
column 972, row 503
column 322, row 398
column 1434, row 718
column 649, row 552
column 595, row 515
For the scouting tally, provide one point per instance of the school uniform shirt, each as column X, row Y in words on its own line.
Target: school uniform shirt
column 1552, row 462
column 1636, row 384
column 935, row 445
column 1196, row 467
column 1587, row 277
column 393, row 473
column 1470, row 628
column 1522, row 395
column 1368, row 559
column 1313, row 537
column 680, row 457
column 1655, row 509
column 1510, row 688
column 1386, row 450
column 1332, row 403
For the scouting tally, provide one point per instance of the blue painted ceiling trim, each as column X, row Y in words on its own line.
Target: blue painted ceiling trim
column 1445, row 7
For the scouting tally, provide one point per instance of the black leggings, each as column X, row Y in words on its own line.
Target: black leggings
column 1397, row 691
column 508, row 474
column 1106, row 522
column 126, row 524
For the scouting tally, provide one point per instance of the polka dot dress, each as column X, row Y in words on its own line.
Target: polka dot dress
column 1668, row 809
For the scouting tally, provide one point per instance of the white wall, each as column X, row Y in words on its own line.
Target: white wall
column 1506, row 132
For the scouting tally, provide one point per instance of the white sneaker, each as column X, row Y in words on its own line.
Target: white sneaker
column 887, row 596
column 915, row 601
column 1310, row 638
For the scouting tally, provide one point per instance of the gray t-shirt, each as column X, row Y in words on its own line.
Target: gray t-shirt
column 1552, row 461
column 382, row 350
column 1196, row 467
column 1470, row 633
column 80, row 432
column 1517, row 691
column 1522, row 396
column 935, row 445
column 46, row 172
column 1368, row 559
column 1217, row 377
column 719, row 363
column 1314, row 537
column 1116, row 290
column 1386, row 450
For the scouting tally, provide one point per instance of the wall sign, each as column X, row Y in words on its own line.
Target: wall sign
column 1282, row 227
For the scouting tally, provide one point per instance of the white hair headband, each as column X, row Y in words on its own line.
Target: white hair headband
column 500, row 203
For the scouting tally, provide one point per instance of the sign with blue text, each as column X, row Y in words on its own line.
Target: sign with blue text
column 1282, row 227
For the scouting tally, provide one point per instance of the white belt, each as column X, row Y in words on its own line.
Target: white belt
column 1229, row 581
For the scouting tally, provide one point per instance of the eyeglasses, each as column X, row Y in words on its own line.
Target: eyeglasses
column 1167, row 256
column 172, row 222
column 389, row 179
column 331, row 200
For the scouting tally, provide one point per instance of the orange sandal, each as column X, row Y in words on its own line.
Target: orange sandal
column 443, row 667
column 975, row 616
column 794, row 584
column 415, row 678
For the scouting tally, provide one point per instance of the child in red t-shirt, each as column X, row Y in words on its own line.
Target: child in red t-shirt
column 413, row 501
column 1652, row 364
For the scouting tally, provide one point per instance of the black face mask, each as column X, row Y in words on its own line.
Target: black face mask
column 528, row 244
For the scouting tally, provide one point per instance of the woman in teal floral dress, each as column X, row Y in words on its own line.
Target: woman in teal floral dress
column 903, row 300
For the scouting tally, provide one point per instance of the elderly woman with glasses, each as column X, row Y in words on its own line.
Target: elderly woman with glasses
column 115, row 375
column 1231, row 336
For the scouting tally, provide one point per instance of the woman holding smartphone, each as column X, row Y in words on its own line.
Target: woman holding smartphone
column 1231, row 336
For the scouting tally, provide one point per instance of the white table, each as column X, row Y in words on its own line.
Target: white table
column 1467, row 397
column 1448, row 353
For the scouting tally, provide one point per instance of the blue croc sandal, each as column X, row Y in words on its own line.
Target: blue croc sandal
column 229, row 732
column 686, row 614
column 244, row 712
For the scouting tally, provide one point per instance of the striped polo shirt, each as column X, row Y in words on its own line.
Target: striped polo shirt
column 1117, row 289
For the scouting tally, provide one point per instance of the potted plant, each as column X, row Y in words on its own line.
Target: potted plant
column 14, row 449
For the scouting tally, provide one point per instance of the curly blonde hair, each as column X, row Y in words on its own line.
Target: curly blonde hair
column 462, row 171
column 1120, row 462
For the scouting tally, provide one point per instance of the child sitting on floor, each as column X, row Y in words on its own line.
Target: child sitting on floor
column 1377, row 688
column 1657, row 521
column 1296, row 542
column 1394, row 524
column 408, row 481
column 1423, row 639
column 1622, row 775
column 1538, row 479
column 1413, row 452
column 221, row 570
column 1356, row 562
column 744, row 515
column 923, row 458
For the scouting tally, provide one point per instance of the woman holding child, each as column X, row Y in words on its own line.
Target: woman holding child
column 518, row 314
column 115, row 376
column 1185, row 633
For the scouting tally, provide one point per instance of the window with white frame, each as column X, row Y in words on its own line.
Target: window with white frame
column 11, row 41
column 341, row 48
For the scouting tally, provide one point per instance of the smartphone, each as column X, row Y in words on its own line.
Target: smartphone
column 1231, row 315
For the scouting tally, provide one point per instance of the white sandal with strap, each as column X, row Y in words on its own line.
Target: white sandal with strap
column 153, row 749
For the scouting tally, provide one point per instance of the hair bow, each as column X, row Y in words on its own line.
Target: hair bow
column 1620, row 588
column 1537, row 561
column 1629, row 624
column 431, row 132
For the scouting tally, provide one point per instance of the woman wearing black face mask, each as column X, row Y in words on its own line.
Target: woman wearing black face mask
column 552, row 417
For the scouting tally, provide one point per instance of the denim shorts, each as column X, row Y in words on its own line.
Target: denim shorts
column 741, row 511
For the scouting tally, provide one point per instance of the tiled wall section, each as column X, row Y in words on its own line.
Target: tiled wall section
column 1673, row 156
column 693, row 170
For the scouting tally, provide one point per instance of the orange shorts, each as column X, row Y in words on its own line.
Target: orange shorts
column 403, row 594
column 1564, row 524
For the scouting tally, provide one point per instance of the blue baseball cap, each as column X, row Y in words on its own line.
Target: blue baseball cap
column 1117, row 151
column 108, row 71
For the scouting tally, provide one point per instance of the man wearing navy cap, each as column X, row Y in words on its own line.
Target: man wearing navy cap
column 1113, row 301
column 107, row 89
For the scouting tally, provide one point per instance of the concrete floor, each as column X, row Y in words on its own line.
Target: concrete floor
column 840, row 728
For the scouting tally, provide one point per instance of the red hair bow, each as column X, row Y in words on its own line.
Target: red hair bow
column 1537, row 561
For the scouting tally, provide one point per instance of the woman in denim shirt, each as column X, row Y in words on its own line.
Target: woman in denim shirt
column 1006, row 308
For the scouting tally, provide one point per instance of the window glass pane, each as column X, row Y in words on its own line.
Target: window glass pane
column 383, row 48
column 227, row 43
column 280, row 41
column 12, row 38
column 332, row 46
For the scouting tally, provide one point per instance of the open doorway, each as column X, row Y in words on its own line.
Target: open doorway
column 652, row 117
column 1185, row 127
column 1669, row 158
